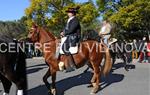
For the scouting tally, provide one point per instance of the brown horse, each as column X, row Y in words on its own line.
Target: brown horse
column 89, row 51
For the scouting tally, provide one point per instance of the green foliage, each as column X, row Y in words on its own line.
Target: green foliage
column 107, row 7
column 51, row 13
column 130, row 16
column 133, row 18
column 12, row 29
column 88, row 15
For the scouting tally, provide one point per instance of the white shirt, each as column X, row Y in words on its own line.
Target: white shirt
column 106, row 29
column 103, row 29
column 70, row 19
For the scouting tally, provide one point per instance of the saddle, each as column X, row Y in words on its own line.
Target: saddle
column 59, row 51
column 72, row 49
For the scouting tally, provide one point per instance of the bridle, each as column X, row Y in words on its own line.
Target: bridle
column 36, row 33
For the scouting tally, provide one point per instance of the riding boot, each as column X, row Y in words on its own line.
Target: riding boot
column 71, row 66
column 59, row 57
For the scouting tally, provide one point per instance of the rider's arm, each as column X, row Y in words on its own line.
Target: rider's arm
column 148, row 47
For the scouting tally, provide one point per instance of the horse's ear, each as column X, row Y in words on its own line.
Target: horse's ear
column 34, row 25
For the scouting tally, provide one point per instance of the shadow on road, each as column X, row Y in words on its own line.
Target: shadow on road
column 122, row 65
column 112, row 78
column 82, row 79
column 34, row 70
column 38, row 65
column 40, row 90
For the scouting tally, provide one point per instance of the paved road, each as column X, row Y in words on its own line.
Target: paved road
column 119, row 82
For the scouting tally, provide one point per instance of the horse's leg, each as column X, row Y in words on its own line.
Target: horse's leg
column 15, row 78
column 89, row 66
column 53, row 65
column 95, row 79
column 45, row 77
column 124, row 57
column 113, row 58
column 19, row 75
column 6, row 84
column 96, row 83
column 53, row 86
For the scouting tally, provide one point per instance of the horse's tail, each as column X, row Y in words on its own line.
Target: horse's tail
column 108, row 64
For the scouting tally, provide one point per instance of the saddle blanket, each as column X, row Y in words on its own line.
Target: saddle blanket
column 72, row 50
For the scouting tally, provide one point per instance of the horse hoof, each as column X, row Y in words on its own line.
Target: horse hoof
column 126, row 68
column 5, row 93
column 49, row 92
column 94, row 84
column 92, row 93
column 94, row 90
column 53, row 91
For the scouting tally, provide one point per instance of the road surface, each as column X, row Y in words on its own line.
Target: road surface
column 119, row 82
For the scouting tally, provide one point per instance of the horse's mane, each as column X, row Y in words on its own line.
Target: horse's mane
column 49, row 33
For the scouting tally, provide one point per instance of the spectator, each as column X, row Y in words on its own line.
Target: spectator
column 129, row 52
column 145, row 53
column 148, row 49
column 105, row 31
column 134, row 52
column 142, row 51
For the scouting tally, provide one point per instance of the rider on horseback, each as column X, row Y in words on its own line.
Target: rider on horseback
column 105, row 31
column 72, row 31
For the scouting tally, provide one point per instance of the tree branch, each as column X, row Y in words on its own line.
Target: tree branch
column 55, row 6
column 62, row 3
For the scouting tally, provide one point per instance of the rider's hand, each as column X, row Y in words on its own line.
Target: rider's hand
column 62, row 34
column 100, row 34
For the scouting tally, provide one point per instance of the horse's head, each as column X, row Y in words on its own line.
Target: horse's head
column 34, row 33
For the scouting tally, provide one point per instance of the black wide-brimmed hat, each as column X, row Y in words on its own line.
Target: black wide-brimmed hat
column 73, row 10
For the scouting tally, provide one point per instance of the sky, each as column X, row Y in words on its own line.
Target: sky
column 14, row 9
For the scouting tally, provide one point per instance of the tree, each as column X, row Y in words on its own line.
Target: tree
column 13, row 29
column 130, row 16
column 51, row 13
column 133, row 19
